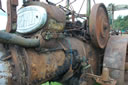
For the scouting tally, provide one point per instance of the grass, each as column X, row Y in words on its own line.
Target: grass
column 52, row 83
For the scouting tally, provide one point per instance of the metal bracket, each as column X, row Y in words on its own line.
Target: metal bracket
column 12, row 15
column 104, row 79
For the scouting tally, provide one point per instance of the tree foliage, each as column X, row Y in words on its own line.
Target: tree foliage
column 121, row 23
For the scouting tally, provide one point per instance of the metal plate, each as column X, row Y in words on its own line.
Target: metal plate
column 99, row 25
column 5, row 68
column 115, row 57
column 31, row 18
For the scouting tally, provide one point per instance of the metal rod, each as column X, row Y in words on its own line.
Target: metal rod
column 88, row 7
column 94, row 1
column 70, row 3
column 81, row 6
column 49, row 2
column 0, row 5
column 9, row 38
column 59, row 2
column 112, row 16
column 67, row 3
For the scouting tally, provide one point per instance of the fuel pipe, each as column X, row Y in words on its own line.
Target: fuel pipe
column 14, row 39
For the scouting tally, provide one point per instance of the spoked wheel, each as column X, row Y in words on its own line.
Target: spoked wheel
column 116, row 59
column 99, row 25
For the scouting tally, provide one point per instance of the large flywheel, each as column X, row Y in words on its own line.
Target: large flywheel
column 116, row 59
column 99, row 25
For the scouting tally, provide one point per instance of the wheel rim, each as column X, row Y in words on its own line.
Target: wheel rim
column 99, row 25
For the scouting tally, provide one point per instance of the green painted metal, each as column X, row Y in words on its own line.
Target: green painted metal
column 88, row 7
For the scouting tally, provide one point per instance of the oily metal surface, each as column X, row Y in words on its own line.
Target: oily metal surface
column 99, row 25
column 33, row 67
column 115, row 57
column 45, row 66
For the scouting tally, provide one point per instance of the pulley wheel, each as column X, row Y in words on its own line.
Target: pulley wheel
column 99, row 25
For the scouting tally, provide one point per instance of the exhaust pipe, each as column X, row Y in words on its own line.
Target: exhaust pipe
column 14, row 39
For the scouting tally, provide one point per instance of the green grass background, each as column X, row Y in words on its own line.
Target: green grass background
column 52, row 83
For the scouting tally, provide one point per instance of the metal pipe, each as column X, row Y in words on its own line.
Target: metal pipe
column 67, row 3
column 0, row 5
column 112, row 15
column 9, row 38
column 88, row 8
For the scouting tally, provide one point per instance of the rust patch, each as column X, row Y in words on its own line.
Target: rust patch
column 44, row 65
column 99, row 25
column 12, row 15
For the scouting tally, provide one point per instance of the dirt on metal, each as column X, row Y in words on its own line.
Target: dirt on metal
column 35, row 67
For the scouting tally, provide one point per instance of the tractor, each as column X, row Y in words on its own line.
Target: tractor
column 50, row 42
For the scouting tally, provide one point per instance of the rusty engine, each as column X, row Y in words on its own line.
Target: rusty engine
column 44, row 42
